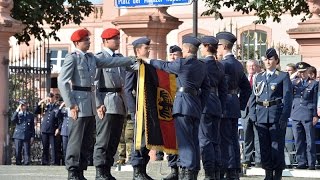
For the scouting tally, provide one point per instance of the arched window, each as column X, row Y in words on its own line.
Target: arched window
column 253, row 44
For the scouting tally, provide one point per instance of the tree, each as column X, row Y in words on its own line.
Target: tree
column 263, row 9
column 54, row 13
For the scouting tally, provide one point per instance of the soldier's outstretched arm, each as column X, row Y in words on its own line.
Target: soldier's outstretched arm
column 110, row 62
column 170, row 67
column 64, row 78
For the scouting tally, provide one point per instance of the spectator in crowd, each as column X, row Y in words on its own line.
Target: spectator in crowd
column 48, row 109
column 312, row 72
column 304, row 117
column 289, row 145
column 251, row 151
column 292, row 70
column 63, row 126
column 24, row 132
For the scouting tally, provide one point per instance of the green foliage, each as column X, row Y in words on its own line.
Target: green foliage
column 54, row 13
column 263, row 9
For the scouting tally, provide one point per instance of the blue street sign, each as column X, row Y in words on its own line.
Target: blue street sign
column 149, row 3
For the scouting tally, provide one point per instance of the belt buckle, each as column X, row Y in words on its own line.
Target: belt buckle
column 266, row 103
column 93, row 88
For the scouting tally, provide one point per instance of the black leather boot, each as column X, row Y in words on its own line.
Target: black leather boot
column 101, row 173
column 277, row 174
column 232, row 174
column 182, row 173
column 137, row 173
column 174, row 175
column 209, row 174
column 73, row 175
column 269, row 175
column 108, row 173
column 81, row 176
column 217, row 174
column 189, row 175
column 144, row 171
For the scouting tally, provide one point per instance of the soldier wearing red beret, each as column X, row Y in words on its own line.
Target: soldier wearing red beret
column 76, row 84
column 109, row 121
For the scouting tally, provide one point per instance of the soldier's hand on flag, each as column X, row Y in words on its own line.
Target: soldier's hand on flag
column 318, row 111
column 101, row 111
column 74, row 112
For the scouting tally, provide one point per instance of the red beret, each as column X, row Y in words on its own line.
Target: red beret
column 79, row 34
column 110, row 33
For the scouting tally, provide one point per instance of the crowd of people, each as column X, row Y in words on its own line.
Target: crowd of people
column 213, row 93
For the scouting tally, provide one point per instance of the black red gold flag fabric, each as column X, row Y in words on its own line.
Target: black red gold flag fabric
column 156, row 91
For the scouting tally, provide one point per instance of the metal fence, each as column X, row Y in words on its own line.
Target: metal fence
column 29, row 79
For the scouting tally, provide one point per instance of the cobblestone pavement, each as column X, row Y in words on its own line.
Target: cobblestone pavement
column 156, row 170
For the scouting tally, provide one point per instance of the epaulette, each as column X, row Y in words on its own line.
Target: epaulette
column 99, row 52
column 201, row 60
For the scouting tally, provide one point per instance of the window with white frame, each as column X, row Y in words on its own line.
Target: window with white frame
column 253, row 44
column 57, row 58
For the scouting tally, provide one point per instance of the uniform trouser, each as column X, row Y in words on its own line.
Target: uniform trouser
column 80, row 138
column 126, row 139
column 187, row 130
column 48, row 143
column 107, row 139
column 19, row 143
column 271, row 146
column 140, row 157
column 58, row 149
column 251, row 150
column 289, row 147
column 303, row 132
column 209, row 139
column 173, row 160
column 229, row 146
column 64, row 146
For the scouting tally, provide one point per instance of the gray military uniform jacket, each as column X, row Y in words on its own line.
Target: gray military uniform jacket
column 80, row 70
column 111, row 78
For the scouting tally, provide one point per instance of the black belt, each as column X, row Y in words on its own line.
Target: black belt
column 233, row 91
column 214, row 90
column 114, row 90
column 79, row 88
column 269, row 103
column 188, row 90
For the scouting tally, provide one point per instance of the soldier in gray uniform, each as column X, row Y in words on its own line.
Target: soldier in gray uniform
column 109, row 95
column 79, row 70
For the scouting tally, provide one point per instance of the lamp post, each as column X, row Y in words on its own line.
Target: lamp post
column 195, row 18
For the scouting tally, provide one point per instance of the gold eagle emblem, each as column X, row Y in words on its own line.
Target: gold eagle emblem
column 164, row 104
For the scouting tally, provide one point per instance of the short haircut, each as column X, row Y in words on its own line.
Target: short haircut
column 293, row 66
column 193, row 49
column 227, row 43
column 211, row 48
column 136, row 47
column 255, row 62
column 313, row 70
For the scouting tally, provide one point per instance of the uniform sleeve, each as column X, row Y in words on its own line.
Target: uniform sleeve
column 130, row 85
column 37, row 109
column 170, row 67
column 287, row 98
column 99, row 95
column 315, row 99
column 223, row 90
column 110, row 62
column 205, row 91
column 245, row 91
column 14, row 117
column 64, row 79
